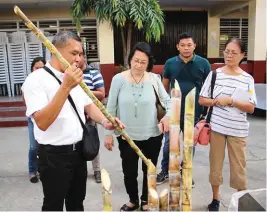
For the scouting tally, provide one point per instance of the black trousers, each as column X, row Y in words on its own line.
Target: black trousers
column 63, row 174
column 150, row 149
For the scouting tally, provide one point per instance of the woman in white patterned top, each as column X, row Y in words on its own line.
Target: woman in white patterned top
column 234, row 97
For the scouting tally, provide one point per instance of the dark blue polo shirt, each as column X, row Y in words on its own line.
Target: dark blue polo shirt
column 189, row 75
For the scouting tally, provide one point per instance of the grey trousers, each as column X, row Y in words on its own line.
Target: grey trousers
column 96, row 163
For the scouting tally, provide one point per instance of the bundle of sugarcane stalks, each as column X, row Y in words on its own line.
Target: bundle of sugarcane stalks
column 174, row 154
column 175, row 185
column 188, row 151
column 166, row 200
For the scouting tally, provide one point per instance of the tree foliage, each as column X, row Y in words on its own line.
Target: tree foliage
column 145, row 15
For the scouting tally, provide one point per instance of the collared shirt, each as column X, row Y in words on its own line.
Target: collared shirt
column 39, row 89
column 189, row 75
column 92, row 78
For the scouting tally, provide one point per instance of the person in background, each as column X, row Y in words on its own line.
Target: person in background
column 37, row 63
column 234, row 97
column 190, row 70
column 132, row 98
column 94, row 80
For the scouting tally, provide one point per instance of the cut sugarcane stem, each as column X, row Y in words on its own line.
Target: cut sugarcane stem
column 65, row 64
column 188, row 150
column 164, row 200
column 174, row 154
column 153, row 200
column 106, row 190
column 151, row 184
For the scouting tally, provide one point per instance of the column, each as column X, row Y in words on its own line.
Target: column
column 106, row 52
column 257, row 41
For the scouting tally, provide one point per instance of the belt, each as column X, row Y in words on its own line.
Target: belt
column 64, row 148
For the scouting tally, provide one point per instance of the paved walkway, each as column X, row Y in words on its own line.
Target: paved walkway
column 17, row 193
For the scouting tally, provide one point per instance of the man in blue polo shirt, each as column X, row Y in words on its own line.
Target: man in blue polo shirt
column 190, row 70
column 94, row 80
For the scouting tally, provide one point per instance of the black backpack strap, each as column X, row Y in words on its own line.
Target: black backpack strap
column 212, row 85
column 69, row 97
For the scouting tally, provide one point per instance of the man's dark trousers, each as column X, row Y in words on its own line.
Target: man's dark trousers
column 63, row 174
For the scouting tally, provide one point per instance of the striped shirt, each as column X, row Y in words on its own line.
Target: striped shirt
column 229, row 120
column 92, row 78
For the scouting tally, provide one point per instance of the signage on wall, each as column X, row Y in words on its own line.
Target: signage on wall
column 224, row 37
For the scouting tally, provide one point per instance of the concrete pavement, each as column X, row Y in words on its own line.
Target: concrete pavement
column 17, row 193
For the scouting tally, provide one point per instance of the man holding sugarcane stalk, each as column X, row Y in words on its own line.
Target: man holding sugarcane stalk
column 190, row 70
column 62, row 169
column 151, row 169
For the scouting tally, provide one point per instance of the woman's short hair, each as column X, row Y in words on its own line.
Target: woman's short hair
column 145, row 48
column 36, row 60
column 239, row 42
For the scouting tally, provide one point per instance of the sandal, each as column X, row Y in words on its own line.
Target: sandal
column 125, row 207
column 143, row 203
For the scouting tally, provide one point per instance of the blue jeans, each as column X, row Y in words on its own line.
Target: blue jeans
column 32, row 163
column 166, row 149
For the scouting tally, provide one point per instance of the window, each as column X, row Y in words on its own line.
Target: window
column 51, row 27
column 8, row 26
column 233, row 27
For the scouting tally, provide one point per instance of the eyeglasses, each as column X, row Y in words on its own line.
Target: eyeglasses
column 141, row 63
column 230, row 53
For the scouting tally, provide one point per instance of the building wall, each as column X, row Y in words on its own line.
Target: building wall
column 36, row 14
column 214, row 32
column 106, row 46
column 106, row 35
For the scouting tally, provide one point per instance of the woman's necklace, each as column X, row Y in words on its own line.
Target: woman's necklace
column 135, row 79
column 137, row 94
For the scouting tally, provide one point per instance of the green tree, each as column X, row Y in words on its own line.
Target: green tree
column 144, row 15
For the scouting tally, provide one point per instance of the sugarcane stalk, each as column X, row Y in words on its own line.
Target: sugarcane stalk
column 65, row 64
column 153, row 200
column 174, row 154
column 188, row 150
column 106, row 190
column 164, row 200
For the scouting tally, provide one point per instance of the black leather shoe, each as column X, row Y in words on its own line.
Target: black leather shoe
column 214, row 205
column 97, row 175
column 34, row 179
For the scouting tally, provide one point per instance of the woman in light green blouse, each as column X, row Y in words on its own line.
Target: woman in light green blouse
column 133, row 100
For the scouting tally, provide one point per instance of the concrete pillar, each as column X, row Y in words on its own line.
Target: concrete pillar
column 106, row 43
column 257, row 41
column 106, row 52
column 213, row 37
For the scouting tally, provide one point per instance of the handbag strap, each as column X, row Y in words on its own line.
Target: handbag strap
column 156, row 94
column 213, row 79
column 155, row 88
column 69, row 97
